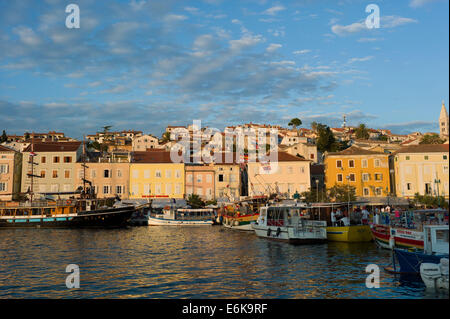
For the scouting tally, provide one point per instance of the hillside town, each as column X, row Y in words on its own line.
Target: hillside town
column 373, row 164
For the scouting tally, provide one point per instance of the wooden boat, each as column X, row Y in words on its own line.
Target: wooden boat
column 65, row 213
column 292, row 224
column 171, row 216
column 408, row 231
column 352, row 233
column 240, row 215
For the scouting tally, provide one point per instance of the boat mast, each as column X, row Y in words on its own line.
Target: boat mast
column 84, row 166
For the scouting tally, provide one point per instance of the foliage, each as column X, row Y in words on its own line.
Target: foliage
column 431, row 139
column 195, row 201
column 326, row 141
column 27, row 136
column 314, row 126
column 342, row 193
column 211, row 202
column 4, row 137
column 382, row 138
column 166, row 137
column 362, row 132
column 430, row 201
column 295, row 122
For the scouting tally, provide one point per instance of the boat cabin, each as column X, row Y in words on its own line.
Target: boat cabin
column 436, row 239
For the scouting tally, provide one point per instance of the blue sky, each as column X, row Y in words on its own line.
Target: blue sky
column 144, row 64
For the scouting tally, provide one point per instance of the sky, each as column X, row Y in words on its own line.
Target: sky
column 146, row 64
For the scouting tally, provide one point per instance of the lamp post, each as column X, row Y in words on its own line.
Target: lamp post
column 317, row 188
column 438, row 181
column 348, row 194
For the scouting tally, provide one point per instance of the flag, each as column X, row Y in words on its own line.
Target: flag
column 32, row 154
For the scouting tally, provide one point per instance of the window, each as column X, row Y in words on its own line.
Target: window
column 43, row 159
column 378, row 177
column 366, row 191
column 135, row 189
column 106, row 189
column 351, row 163
column 106, row 173
column 146, row 189
column 312, row 156
column 158, row 173
column 220, row 177
column 3, row 187
column 209, row 178
column 426, row 157
column 42, row 174
column 3, row 168
column 199, row 178
column 67, row 159
column 352, row 177
column 66, row 174
column 55, row 174
column 365, row 177
column 119, row 173
column 147, row 173
column 377, row 163
column 428, row 188
column 407, row 158
column 444, row 157
column 445, row 169
column 290, row 170
column 56, row 159
column 339, row 164
column 158, row 189
column 168, row 188
column 378, row 191
column 177, row 173
column 408, row 186
column 168, row 173
column 364, row 163
column 135, row 174
column 119, row 189
column 339, row 177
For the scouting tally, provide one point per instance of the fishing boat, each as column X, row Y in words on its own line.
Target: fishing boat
column 436, row 247
column 292, row 224
column 435, row 276
column 172, row 216
column 405, row 231
column 242, row 214
column 72, row 213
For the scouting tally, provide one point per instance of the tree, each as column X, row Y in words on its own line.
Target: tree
column 326, row 141
column 314, row 126
column 4, row 137
column 295, row 122
column 362, row 132
column 431, row 139
column 27, row 136
column 382, row 138
column 195, row 201
column 342, row 193
column 166, row 137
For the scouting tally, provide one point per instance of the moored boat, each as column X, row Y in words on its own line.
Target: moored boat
column 76, row 213
column 240, row 215
column 171, row 216
column 352, row 233
column 292, row 224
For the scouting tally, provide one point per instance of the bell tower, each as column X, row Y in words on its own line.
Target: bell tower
column 443, row 122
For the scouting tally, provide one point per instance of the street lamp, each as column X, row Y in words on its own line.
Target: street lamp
column 438, row 181
column 348, row 193
column 317, row 188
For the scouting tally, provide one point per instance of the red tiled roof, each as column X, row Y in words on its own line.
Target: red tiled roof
column 355, row 150
column 424, row 148
column 54, row 147
column 5, row 149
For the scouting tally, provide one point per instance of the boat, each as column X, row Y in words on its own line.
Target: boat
column 292, row 224
column 72, row 213
column 406, row 231
column 435, row 248
column 140, row 215
column 345, row 229
column 172, row 216
column 240, row 215
column 435, row 276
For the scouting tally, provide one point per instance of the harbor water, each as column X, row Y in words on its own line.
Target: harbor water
column 190, row 262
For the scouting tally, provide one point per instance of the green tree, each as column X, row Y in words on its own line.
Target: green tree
column 195, row 201
column 382, row 138
column 314, row 126
column 342, row 193
column 27, row 136
column 362, row 132
column 431, row 139
column 166, row 137
column 4, row 137
column 295, row 122
column 326, row 141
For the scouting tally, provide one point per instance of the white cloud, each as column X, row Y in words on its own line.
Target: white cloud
column 348, row 29
column 273, row 47
column 174, row 18
column 394, row 21
column 367, row 58
column 27, row 36
column 274, row 10
column 302, row 51
column 419, row 3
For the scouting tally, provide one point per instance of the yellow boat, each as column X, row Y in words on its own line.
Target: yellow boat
column 356, row 233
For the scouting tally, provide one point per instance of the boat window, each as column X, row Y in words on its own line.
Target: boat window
column 442, row 236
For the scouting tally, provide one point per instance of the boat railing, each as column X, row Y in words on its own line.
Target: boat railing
column 37, row 204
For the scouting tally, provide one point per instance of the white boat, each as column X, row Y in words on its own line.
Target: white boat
column 291, row 224
column 435, row 276
column 171, row 216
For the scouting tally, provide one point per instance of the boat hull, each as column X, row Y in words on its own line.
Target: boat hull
column 359, row 233
column 290, row 235
column 154, row 221
column 106, row 218
column 401, row 238
column 410, row 261
column 243, row 223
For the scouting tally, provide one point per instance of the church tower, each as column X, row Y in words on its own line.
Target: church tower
column 443, row 122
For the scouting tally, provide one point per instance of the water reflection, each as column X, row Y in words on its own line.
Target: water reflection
column 191, row 262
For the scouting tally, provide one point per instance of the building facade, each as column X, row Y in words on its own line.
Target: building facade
column 421, row 169
column 153, row 175
column 200, row 180
column 54, row 168
column 367, row 171
column 10, row 173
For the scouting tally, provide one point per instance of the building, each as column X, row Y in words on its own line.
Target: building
column 367, row 171
column 10, row 173
column 153, row 175
column 304, row 150
column 228, row 181
column 421, row 169
column 144, row 142
column 317, row 172
column 54, row 167
column 289, row 175
column 200, row 180
column 108, row 178
column 444, row 123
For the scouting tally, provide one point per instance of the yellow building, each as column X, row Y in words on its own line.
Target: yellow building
column 367, row 171
column 153, row 175
column 422, row 169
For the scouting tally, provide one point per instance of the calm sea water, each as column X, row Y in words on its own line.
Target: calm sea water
column 189, row 262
